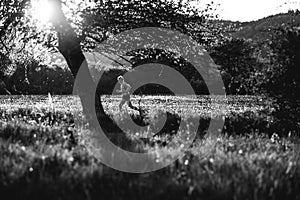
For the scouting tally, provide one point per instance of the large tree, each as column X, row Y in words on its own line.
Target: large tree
column 97, row 22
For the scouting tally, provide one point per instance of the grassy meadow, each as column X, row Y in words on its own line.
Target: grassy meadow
column 44, row 152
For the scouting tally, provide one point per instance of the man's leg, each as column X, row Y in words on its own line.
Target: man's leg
column 121, row 104
column 131, row 106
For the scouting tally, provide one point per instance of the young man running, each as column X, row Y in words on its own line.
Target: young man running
column 125, row 91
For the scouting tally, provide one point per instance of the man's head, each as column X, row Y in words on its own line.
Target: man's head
column 120, row 79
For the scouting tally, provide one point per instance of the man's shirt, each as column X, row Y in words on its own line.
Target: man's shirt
column 125, row 88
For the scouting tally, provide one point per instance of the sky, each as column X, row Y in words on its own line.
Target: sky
column 249, row 10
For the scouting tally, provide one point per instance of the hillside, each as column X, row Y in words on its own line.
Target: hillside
column 259, row 30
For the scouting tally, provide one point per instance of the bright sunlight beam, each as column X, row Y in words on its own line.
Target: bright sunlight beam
column 42, row 10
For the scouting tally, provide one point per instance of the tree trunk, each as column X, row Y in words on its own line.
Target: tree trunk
column 69, row 47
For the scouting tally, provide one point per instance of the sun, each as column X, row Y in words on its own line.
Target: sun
column 42, row 10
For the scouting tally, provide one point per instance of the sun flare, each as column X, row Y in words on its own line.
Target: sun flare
column 42, row 10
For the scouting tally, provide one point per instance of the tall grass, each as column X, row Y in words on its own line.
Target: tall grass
column 43, row 155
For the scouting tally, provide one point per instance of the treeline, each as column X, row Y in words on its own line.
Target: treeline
column 37, row 80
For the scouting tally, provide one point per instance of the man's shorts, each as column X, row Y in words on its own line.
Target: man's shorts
column 126, row 97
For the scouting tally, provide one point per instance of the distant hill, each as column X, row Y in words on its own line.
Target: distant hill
column 259, row 30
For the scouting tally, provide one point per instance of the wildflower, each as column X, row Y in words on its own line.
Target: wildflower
column 71, row 159
column 186, row 162
column 230, row 144
column 274, row 138
column 289, row 167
